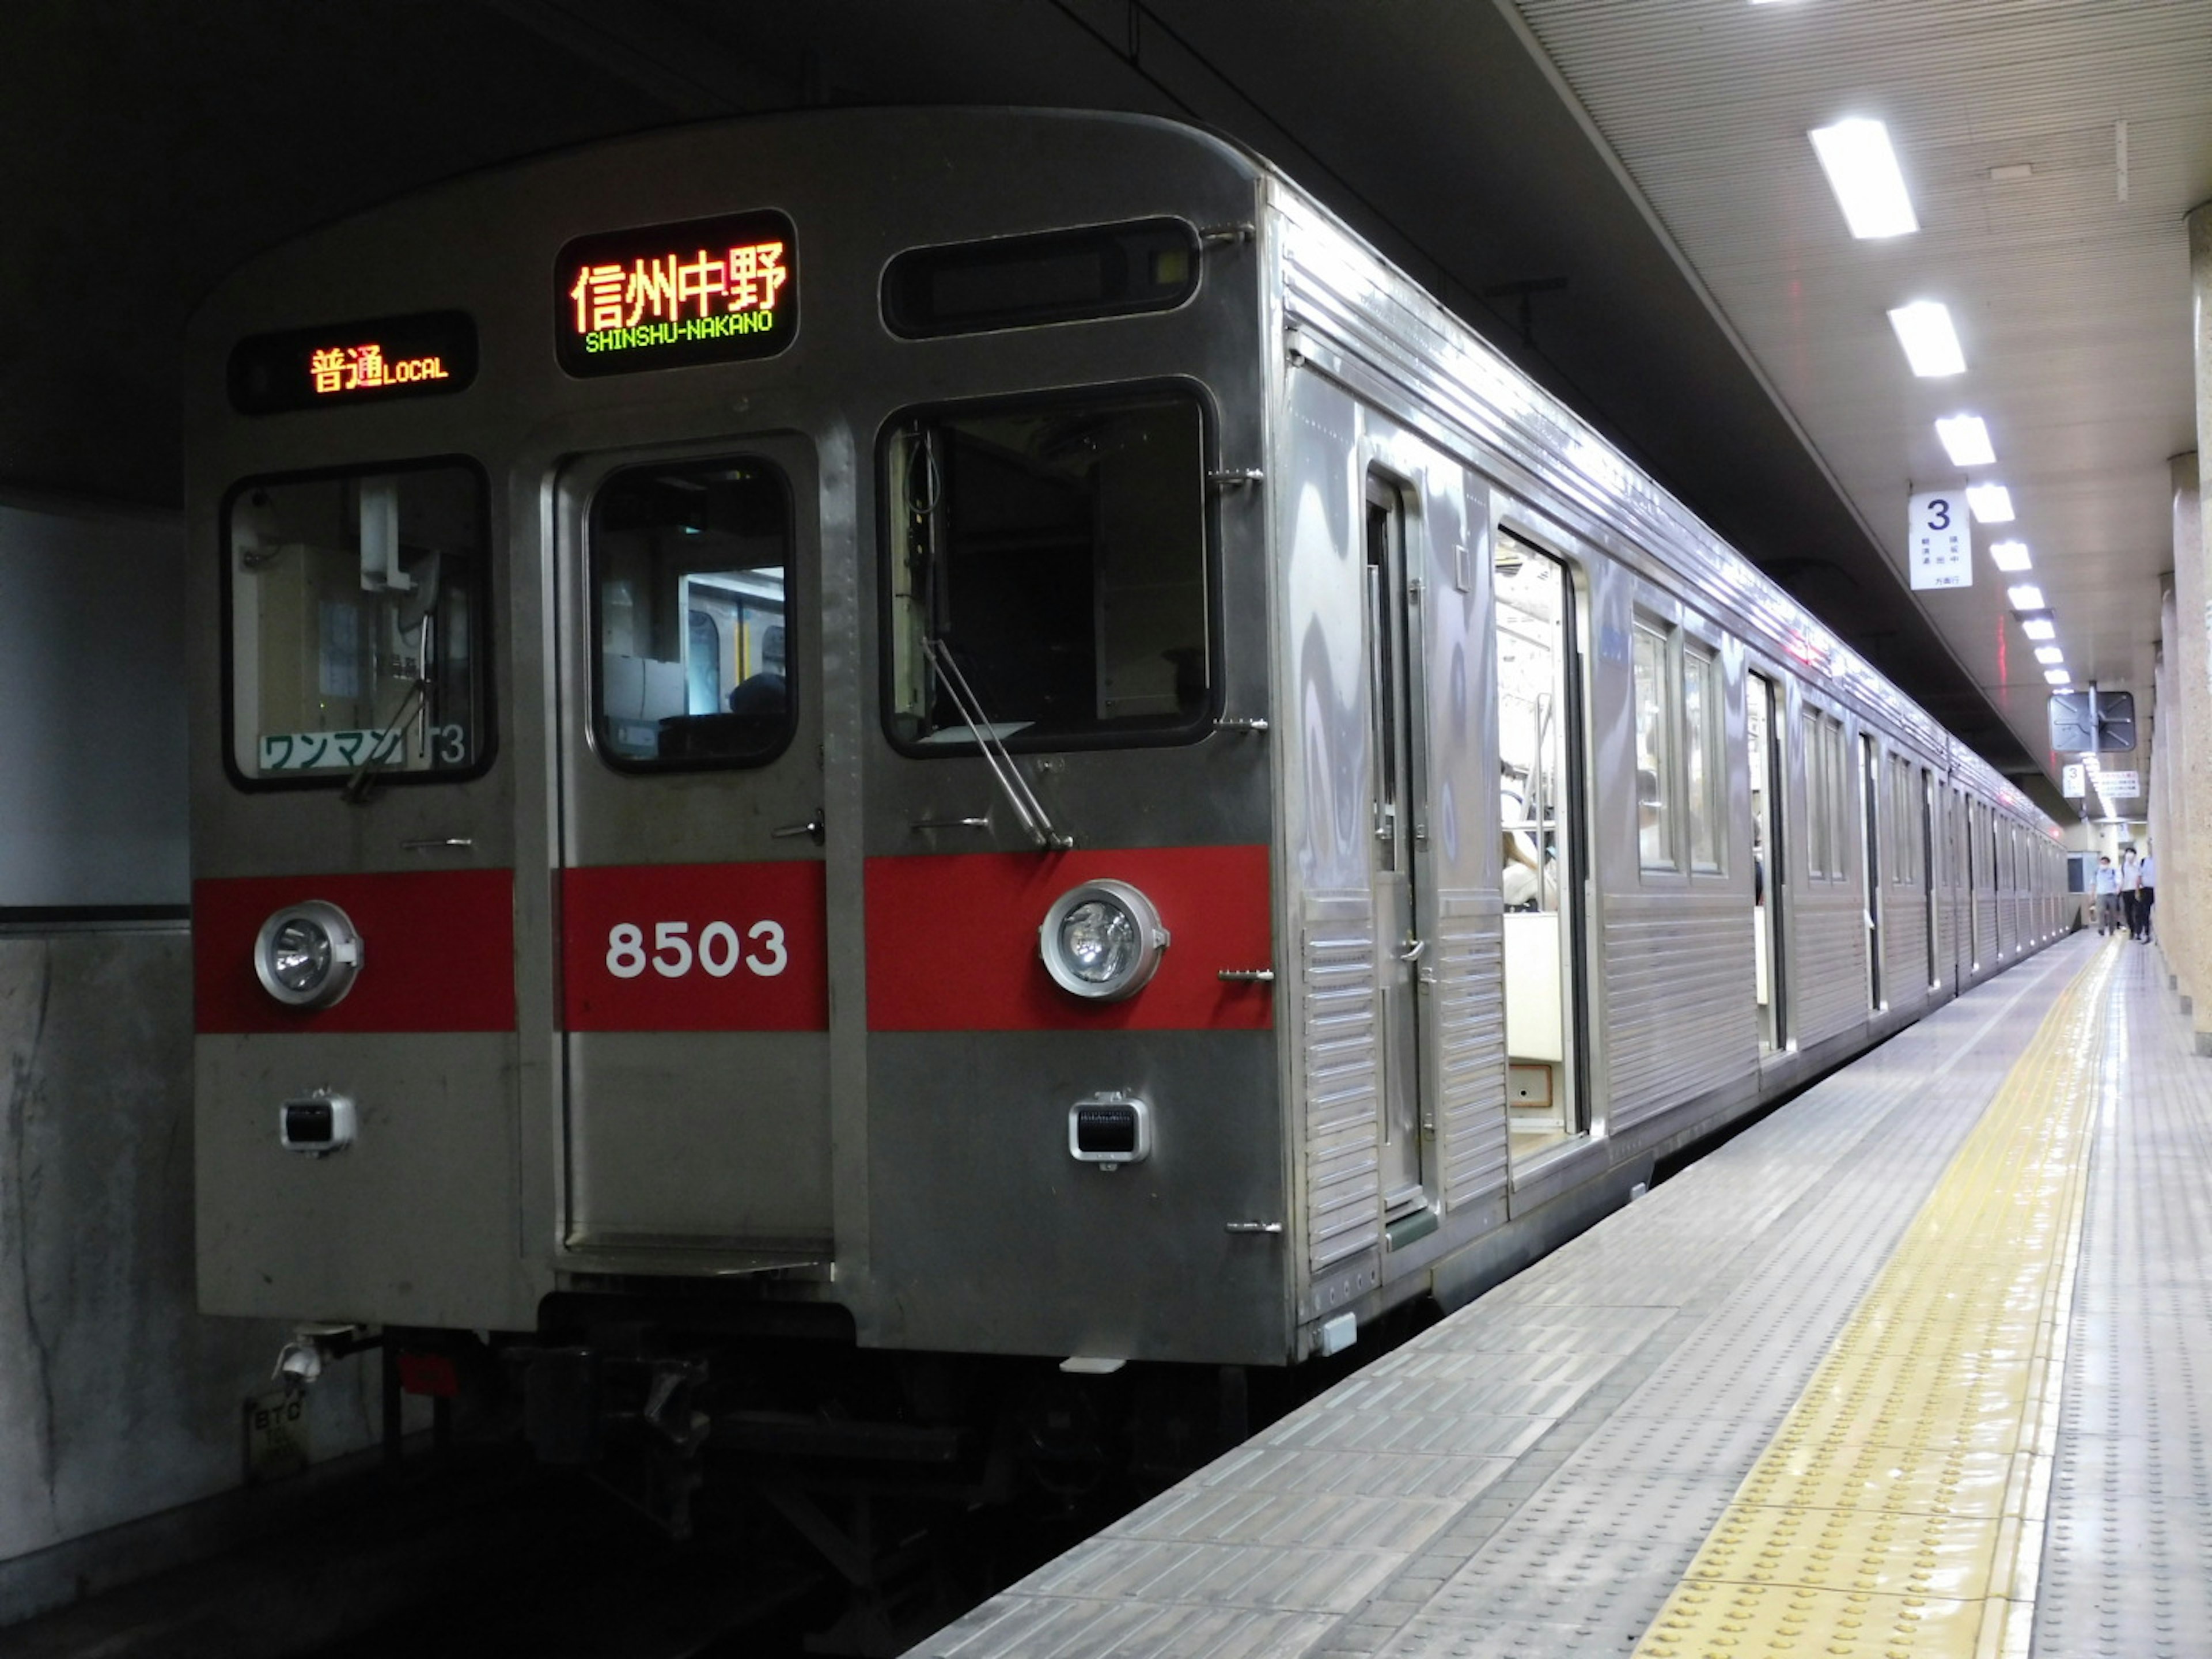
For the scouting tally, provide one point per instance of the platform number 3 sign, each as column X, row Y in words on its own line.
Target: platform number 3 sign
column 1937, row 546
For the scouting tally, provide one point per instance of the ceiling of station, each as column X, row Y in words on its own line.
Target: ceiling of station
column 2051, row 151
column 1620, row 193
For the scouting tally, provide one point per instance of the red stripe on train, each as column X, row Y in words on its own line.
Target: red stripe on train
column 952, row 940
column 437, row 951
column 696, row 947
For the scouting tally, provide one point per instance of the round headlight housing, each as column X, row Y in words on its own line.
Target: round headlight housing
column 307, row 955
column 1101, row 941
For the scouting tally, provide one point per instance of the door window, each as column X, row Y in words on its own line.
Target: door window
column 690, row 568
column 1655, row 751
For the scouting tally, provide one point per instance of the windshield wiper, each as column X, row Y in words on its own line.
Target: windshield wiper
column 1027, row 807
column 356, row 789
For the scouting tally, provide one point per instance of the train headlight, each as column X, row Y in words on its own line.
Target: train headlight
column 1101, row 941
column 307, row 955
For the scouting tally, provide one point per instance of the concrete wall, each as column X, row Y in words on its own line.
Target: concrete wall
column 92, row 710
column 117, row 1398
column 119, row 1402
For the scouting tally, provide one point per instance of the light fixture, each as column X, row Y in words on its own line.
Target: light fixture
column 1862, row 170
column 2050, row 655
column 1101, row 941
column 2058, row 676
column 2010, row 556
column 307, row 955
column 2025, row 596
column 1992, row 502
column 2039, row 628
column 1966, row 441
column 1931, row 344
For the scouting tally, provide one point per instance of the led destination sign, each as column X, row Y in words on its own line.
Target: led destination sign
column 423, row 355
column 707, row 291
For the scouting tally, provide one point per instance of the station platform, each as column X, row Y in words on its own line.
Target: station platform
column 1921, row 1364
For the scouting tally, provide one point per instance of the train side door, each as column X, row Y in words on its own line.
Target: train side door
column 1929, row 896
column 1765, row 728
column 1540, row 855
column 694, row 960
column 1870, row 864
column 1393, row 673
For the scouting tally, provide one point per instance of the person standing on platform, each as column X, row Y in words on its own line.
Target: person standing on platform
column 2146, row 892
column 2127, row 887
column 2108, row 896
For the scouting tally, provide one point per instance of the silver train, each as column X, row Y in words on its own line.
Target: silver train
column 978, row 734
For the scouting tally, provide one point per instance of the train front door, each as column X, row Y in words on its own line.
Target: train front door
column 694, row 975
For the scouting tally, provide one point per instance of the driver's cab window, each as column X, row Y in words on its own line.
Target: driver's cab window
column 1047, row 575
column 355, row 647
column 690, row 565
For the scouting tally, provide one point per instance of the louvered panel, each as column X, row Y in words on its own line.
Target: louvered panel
column 1831, row 987
column 1469, row 1001
column 1905, row 948
column 1985, row 929
column 1344, row 1177
column 2070, row 284
column 1681, row 1004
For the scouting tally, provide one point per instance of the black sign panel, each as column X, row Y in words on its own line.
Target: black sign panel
column 705, row 291
column 2092, row 722
column 426, row 355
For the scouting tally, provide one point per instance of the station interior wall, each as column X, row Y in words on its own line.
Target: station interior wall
column 119, row 1401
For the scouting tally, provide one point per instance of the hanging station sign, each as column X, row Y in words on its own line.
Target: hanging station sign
column 427, row 354
column 666, row 296
column 1938, row 546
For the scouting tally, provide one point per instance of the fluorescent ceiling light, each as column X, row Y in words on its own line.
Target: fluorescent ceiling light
column 1861, row 170
column 2025, row 597
column 1931, row 344
column 2058, row 676
column 1966, row 441
column 1992, row 502
column 2040, row 628
column 2008, row 556
column 2049, row 655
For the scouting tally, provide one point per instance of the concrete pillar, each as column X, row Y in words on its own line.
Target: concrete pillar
column 2184, row 895
column 2167, row 736
column 2183, row 831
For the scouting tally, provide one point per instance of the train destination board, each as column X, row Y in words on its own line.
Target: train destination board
column 665, row 296
column 424, row 356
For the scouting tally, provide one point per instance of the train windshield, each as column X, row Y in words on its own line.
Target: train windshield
column 1053, row 557
column 356, row 611
column 691, row 561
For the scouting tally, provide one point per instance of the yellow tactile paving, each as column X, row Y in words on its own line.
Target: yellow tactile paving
column 1898, row 1513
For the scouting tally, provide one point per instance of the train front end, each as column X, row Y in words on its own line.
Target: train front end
column 733, row 784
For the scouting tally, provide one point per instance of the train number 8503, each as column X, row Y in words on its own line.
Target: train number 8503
column 721, row 949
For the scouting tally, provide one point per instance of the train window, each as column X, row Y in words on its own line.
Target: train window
column 1904, row 823
column 1052, row 557
column 1655, row 752
column 1840, row 790
column 1827, row 795
column 1065, row 275
column 691, row 561
column 357, row 609
column 1702, row 752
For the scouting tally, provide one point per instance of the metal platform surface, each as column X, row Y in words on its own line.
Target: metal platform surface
column 1540, row 1473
